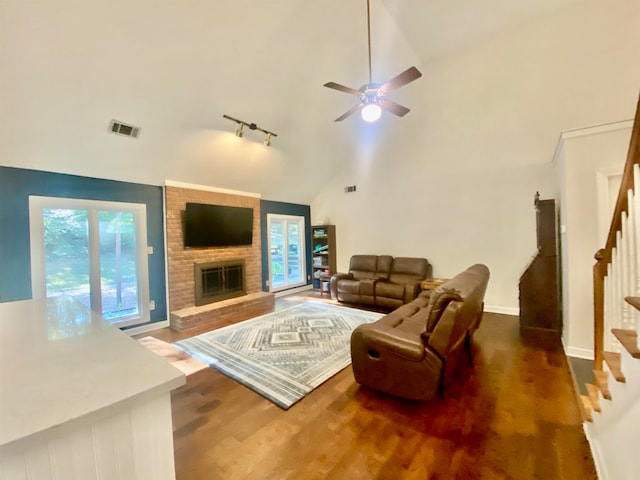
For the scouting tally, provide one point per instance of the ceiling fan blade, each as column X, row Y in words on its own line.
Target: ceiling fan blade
column 409, row 75
column 342, row 88
column 351, row 111
column 394, row 108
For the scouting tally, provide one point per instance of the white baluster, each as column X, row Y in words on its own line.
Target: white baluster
column 636, row 223
column 608, row 336
column 614, row 310
column 623, row 252
column 632, row 240
column 615, row 277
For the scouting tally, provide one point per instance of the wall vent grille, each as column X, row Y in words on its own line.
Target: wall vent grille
column 120, row 128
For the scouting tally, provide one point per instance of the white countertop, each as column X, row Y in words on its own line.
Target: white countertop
column 60, row 363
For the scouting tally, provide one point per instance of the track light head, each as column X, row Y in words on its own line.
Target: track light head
column 252, row 126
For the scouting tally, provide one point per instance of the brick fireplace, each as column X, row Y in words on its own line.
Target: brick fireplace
column 181, row 264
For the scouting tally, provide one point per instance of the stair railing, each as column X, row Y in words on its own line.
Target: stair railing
column 615, row 273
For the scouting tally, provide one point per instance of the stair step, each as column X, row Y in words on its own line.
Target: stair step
column 633, row 301
column 601, row 380
column 586, row 409
column 614, row 362
column 594, row 396
column 629, row 340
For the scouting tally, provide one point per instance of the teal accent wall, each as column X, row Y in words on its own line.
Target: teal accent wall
column 17, row 184
column 283, row 208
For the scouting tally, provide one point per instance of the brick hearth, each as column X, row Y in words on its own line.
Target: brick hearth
column 180, row 262
column 223, row 313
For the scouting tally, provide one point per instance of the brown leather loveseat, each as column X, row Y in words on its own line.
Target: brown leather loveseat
column 413, row 351
column 380, row 280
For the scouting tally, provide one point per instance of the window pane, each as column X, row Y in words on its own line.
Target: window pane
column 66, row 248
column 293, row 257
column 119, row 283
column 277, row 254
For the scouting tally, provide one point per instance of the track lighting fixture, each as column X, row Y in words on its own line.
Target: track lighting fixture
column 252, row 126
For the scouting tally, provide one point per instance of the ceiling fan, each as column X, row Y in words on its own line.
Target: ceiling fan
column 373, row 96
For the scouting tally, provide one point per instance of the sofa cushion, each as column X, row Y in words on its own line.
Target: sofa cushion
column 405, row 278
column 367, row 287
column 363, row 266
column 422, row 301
column 409, row 270
column 350, row 286
column 384, row 266
column 440, row 298
column 406, row 310
column 413, row 325
column 389, row 290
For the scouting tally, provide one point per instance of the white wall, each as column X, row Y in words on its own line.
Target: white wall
column 582, row 157
column 454, row 180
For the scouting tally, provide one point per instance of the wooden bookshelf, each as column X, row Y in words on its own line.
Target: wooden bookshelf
column 323, row 248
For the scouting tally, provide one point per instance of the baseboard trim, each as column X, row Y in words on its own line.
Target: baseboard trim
column 585, row 353
column 146, row 328
column 289, row 291
column 503, row 310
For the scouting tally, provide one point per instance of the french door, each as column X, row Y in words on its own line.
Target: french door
column 94, row 252
column 286, row 251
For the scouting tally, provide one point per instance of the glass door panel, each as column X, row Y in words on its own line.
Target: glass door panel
column 294, row 268
column 66, row 251
column 286, row 251
column 276, row 249
column 118, row 276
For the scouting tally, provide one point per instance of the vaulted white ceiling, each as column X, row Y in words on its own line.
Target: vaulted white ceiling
column 174, row 68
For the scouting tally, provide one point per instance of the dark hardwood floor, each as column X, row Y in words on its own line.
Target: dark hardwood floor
column 513, row 415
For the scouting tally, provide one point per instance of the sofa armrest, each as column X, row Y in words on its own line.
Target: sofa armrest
column 411, row 291
column 333, row 283
column 376, row 340
column 339, row 276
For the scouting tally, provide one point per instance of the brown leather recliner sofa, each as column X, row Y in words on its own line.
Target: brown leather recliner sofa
column 413, row 351
column 380, row 280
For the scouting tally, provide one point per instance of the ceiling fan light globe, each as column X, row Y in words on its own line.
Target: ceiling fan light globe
column 371, row 113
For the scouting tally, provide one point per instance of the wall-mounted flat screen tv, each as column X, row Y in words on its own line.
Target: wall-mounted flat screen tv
column 217, row 225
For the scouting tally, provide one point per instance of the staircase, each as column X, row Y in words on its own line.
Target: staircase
column 611, row 408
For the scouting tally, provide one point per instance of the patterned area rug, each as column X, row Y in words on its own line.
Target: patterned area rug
column 282, row 355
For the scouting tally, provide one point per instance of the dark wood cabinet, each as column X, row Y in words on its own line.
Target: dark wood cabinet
column 539, row 284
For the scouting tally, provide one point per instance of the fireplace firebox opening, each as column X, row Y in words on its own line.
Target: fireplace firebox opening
column 216, row 281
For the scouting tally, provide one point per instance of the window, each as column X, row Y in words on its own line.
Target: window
column 286, row 251
column 94, row 252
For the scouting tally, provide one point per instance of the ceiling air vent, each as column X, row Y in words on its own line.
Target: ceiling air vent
column 123, row 129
